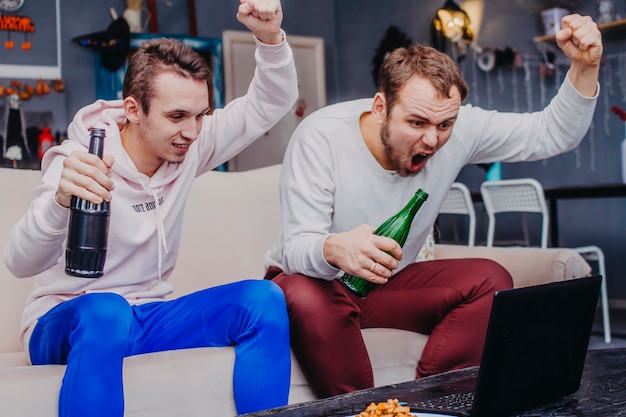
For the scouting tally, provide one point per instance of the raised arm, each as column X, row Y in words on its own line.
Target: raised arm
column 581, row 41
column 263, row 18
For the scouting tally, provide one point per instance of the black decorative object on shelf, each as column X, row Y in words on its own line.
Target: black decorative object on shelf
column 14, row 145
column 394, row 38
column 113, row 44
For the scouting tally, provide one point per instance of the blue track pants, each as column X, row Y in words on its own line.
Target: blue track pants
column 93, row 333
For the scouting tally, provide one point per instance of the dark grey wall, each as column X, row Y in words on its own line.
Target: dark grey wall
column 352, row 30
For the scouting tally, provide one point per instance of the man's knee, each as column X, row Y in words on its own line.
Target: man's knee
column 305, row 296
column 265, row 300
column 263, row 293
column 103, row 317
column 102, row 307
column 495, row 275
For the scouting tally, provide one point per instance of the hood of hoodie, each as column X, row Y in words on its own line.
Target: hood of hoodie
column 111, row 114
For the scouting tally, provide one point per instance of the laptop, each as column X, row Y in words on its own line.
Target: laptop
column 534, row 352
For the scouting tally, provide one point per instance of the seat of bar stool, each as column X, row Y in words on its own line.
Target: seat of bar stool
column 526, row 195
column 458, row 201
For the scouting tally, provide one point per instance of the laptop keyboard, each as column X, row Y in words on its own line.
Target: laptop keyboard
column 454, row 401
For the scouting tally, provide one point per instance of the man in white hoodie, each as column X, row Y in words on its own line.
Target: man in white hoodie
column 159, row 138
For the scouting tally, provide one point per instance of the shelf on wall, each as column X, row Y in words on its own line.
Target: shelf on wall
column 618, row 25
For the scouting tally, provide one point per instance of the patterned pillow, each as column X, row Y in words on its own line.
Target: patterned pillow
column 427, row 253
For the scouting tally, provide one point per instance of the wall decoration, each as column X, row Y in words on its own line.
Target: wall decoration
column 606, row 12
column 109, row 83
column 25, row 90
column 39, row 54
column 15, row 146
column 450, row 31
column 394, row 38
column 529, row 87
column 113, row 44
column 11, row 5
column 622, row 115
column 239, row 65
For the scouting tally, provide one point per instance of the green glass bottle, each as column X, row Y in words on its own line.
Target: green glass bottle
column 396, row 227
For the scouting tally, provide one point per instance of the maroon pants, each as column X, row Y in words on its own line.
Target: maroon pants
column 450, row 300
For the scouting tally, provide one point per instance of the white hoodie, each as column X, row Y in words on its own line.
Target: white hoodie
column 146, row 212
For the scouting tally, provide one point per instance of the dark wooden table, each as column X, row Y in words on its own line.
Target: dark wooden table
column 602, row 393
column 553, row 195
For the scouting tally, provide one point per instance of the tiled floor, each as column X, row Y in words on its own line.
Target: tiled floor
column 617, row 319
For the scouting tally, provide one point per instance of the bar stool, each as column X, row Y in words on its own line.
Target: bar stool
column 526, row 195
column 458, row 201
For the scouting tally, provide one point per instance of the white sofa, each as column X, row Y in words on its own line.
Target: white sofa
column 231, row 220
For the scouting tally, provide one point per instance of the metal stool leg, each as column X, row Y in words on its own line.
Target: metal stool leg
column 594, row 253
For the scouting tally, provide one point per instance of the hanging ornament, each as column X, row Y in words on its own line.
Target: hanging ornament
column 9, row 44
column 26, row 45
column 606, row 82
column 42, row 88
column 514, row 90
column 57, row 85
column 26, row 92
column 15, row 145
column 112, row 44
column 500, row 78
column 622, row 115
column 592, row 147
column 489, row 91
column 474, row 90
column 622, row 76
column 528, row 85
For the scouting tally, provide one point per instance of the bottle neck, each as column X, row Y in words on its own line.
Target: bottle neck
column 416, row 202
column 96, row 143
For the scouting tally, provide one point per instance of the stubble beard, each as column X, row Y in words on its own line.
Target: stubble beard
column 392, row 157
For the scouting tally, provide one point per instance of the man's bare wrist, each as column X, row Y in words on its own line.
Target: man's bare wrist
column 277, row 39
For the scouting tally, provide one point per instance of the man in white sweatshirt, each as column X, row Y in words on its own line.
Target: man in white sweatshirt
column 350, row 166
column 159, row 138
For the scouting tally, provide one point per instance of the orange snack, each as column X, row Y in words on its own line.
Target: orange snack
column 390, row 408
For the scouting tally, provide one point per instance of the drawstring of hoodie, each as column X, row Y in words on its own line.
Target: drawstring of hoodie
column 160, row 228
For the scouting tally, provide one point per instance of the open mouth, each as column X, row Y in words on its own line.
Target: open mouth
column 418, row 161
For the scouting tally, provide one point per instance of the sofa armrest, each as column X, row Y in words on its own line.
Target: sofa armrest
column 527, row 266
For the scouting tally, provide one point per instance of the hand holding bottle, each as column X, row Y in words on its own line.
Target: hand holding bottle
column 85, row 176
column 88, row 227
column 355, row 252
column 396, row 227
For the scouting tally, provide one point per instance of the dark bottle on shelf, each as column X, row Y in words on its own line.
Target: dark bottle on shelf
column 88, row 227
column 396, row 227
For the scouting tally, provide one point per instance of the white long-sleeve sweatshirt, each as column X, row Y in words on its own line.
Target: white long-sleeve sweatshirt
column 146, row 212
column 331, row 183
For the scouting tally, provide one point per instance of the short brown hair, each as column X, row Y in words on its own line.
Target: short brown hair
column 156, row 56
column 424, row 62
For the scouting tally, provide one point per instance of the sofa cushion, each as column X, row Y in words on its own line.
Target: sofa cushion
column 231, row 220
column 225, row 207
column 528, row 266
column 427, row 252
column 394, row 354
column 17, row 190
